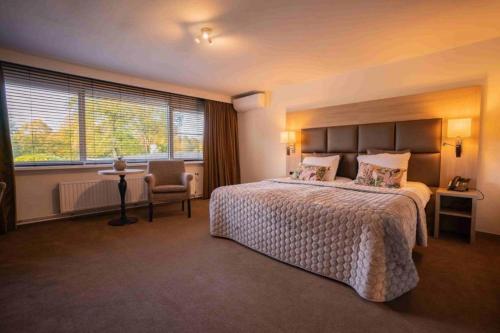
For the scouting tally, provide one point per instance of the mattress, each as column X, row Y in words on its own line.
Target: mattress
column 360, row 235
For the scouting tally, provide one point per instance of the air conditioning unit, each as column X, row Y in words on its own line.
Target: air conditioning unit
column 250, row 102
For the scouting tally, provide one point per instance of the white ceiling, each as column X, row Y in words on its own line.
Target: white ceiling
column 259, row 44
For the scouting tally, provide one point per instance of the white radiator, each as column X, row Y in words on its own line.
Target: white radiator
column 92, row 194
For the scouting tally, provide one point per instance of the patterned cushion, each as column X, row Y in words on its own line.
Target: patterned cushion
column 374, row 175
column 310, row 172
column 331, row 162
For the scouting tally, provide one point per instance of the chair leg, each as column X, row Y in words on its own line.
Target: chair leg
column 150, row 212
column 189, row 208
column 182, row 205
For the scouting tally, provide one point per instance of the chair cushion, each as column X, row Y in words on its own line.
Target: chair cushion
column 169, row 188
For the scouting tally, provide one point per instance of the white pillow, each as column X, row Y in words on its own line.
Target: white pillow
column 325, row 161
column 342, row 180
column 393, row 161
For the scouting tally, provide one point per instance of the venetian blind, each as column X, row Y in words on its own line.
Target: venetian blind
column 59, row 118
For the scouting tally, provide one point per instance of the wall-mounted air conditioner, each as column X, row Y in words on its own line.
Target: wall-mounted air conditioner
column 250, row 102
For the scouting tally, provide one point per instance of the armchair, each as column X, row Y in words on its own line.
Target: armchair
column 168, row 182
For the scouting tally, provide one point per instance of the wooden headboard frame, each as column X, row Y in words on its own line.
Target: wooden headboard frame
column 421, row 137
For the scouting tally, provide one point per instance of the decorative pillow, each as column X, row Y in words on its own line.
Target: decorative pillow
column 331, row 162
column 392, row 161
column 375, row 175
column 310, row 172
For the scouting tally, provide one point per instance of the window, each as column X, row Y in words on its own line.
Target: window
column 63, row 119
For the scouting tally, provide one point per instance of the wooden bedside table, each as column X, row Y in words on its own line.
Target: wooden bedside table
column 458, row 204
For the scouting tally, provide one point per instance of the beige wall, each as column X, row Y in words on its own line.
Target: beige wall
column 262, row 156
column 37, row 191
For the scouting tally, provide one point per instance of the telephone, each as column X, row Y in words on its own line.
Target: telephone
column 459, row 184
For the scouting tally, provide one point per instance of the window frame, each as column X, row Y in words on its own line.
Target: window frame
column 81, row 95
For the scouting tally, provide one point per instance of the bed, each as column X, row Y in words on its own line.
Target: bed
column 359, row 235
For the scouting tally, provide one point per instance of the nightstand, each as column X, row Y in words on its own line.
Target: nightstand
column 461, row 205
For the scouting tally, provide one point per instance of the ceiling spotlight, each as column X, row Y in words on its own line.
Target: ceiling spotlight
column 205, row 34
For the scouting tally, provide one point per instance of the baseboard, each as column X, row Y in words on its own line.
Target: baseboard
column 59, row 217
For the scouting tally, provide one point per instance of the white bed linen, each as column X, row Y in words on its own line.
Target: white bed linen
column 420, row 189
column 342, row 180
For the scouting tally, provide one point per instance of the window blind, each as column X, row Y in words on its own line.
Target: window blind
column 58, row 118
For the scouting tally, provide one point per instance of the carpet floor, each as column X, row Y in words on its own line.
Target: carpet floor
column 81, row 275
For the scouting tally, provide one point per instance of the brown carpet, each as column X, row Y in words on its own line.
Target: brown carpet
column 84, row 276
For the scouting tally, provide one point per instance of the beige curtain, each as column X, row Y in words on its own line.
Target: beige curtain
column 221, row 165
column 8, row 202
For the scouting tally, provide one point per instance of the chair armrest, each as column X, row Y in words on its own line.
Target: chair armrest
column 186, row 178
column 150, row 180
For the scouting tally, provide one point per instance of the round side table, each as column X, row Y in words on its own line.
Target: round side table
column 122, row 188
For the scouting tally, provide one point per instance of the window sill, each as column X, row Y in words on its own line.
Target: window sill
column 87, row 166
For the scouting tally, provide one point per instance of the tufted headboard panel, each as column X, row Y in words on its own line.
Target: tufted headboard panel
column 421, row 137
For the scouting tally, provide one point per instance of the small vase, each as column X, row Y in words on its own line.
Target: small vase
column 120, row 164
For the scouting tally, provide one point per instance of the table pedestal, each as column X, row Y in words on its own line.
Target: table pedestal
column 123, row 219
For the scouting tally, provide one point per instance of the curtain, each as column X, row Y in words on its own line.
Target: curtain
column 221, row 165
column 8, row 204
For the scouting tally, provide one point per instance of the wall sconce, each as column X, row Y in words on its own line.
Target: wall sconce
column 288, row 137
column 458, row 129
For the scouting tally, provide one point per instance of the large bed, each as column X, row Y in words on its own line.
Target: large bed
column 360, row 235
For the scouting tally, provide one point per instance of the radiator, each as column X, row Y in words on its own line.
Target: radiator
column 95, row 194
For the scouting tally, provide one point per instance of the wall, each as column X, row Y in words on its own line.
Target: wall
column 37, row 189
column 256, row 130
column 262, row 156
column 64, row 67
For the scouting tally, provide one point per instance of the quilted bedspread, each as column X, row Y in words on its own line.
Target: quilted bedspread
column 362, row 236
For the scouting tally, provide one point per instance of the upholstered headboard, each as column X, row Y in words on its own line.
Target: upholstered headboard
column 421, row 137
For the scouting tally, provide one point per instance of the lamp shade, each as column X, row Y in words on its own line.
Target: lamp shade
column 459, row 127
column 284, row 137
column 287, row 137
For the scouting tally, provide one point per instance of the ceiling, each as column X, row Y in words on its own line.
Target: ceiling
column 258, row 44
